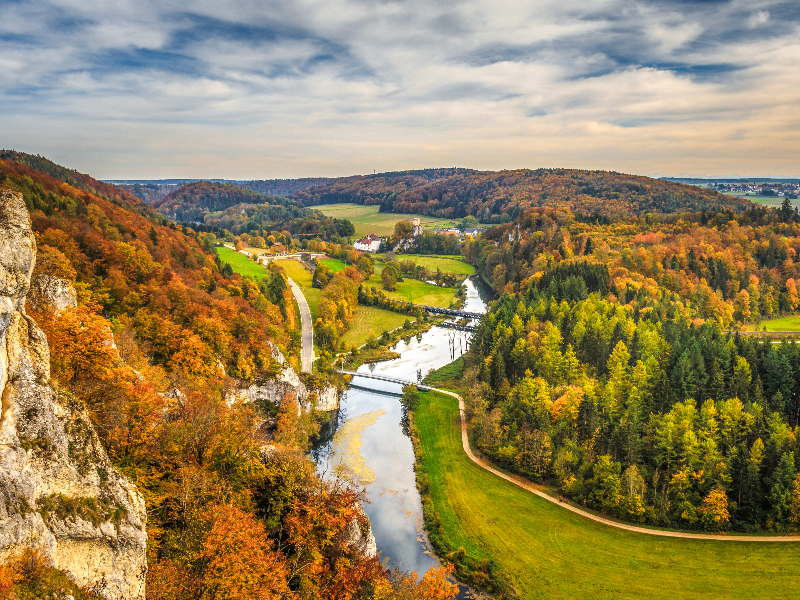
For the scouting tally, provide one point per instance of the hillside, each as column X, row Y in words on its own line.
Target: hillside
column 128, row 263
column 284, row 187
column 501, row 196
column 175, row 363
column 192, row 202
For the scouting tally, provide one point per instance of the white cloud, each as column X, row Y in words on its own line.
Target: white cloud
column 255, row 89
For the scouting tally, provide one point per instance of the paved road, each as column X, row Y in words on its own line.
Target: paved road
column 307, row 353
column 527, row 485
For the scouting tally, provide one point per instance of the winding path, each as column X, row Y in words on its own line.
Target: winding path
column 307, row 328
column 526, row 485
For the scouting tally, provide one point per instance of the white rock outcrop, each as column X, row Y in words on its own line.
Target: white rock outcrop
column 52, row 294
column 359, row 535
column 58, row 490
column 287, row 382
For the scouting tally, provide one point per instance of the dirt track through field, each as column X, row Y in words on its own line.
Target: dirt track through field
column 527, row 485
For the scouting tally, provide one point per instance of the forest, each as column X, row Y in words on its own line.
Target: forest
column 190, row 203
column 493, row 197
column 161, row 333
column 612, row 367
column 222, row 207
column 502, row 196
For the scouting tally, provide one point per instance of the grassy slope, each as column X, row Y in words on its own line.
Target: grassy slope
column 367, row 219
column 370, row 318
column 548, row 552
column 334, row 264
column 240, row 263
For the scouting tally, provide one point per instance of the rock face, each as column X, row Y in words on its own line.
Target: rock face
column 52, row 294
column 58, row 490
column 360, row 536
column 288, row 382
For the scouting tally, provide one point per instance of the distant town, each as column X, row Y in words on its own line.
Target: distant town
column 761, row 187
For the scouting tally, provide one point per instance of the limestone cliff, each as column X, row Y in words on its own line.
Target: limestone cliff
column 58, row 489
column 287, row 382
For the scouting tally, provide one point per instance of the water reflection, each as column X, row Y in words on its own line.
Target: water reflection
column 384, row 452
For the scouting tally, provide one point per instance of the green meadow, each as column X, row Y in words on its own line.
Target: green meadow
column 787, row 323
column 367, row 219
column 548, row 552
column 240, row 263
column 370, row 319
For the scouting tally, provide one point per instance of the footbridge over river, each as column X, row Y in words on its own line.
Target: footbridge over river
column 389, row 379
column 445, row 311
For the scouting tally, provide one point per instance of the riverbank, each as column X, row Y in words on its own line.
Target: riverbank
column 541, row 549
column 381, row 350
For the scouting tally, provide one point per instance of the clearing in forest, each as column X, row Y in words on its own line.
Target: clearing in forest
column 367, row 219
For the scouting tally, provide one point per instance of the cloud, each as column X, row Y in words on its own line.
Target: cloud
column 268, row 89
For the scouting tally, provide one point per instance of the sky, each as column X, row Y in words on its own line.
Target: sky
column 257, row 89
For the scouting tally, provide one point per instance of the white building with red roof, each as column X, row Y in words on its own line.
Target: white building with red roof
column 370, row 243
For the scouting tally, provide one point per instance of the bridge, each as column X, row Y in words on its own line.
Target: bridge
column 444, row 311
column 403, row 382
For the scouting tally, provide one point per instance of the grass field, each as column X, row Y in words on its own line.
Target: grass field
column 548, row 552
column 334, row 264
column 240, row 263
column 788, row 323
column 367, row 219
column 445, row 263
column 418, row 292
column 370, row 318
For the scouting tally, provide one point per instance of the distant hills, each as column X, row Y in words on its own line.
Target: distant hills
column 501, row 196
column 491, row 196
column 192, row 202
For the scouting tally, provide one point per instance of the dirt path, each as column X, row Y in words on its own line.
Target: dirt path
column 527, row 485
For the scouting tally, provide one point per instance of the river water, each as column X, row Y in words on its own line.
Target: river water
column 372, row 446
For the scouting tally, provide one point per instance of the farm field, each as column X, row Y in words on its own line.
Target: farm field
column 240, row 263
column 548, row 552
column 369, row 318
column 367, row 219
column 788, row 323
column 771, row 201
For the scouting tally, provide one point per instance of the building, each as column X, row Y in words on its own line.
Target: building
column 416, row 227
column 370, row 243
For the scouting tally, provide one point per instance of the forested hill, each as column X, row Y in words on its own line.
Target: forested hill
column 501, row 196
column 42, row 165
column 605, row 367
column 156, row 281
column 284, row 187
column 210, row 206
column 192, row 202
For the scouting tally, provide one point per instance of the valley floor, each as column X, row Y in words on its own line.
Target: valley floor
column 549, row 552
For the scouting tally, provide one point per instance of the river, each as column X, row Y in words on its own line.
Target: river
column 370, row 441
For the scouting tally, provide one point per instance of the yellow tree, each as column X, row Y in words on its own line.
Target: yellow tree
column 714, row 510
